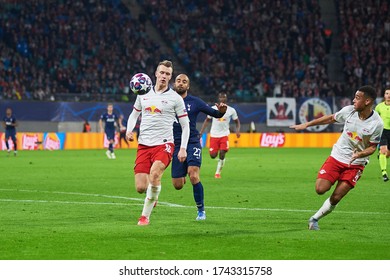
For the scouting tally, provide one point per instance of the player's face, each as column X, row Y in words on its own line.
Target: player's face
column 222, row 98
column 109, row 108
column 182, row 84
column 163, row 75
column 387, row 96
column 360, row 102
column 8, row 112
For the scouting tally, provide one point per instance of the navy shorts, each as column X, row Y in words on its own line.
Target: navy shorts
column 194, row 158
column 10, row 134
column 110, row 134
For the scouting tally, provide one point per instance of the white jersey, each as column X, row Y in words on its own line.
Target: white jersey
column 357, row 134
column 159, row 111
column 220, row 127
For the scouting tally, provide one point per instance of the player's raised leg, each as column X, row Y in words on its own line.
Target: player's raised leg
column 153, row 190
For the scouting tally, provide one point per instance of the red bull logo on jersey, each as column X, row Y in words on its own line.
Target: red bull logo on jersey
column 153, row 110
column 354, row 136
column 272, row 140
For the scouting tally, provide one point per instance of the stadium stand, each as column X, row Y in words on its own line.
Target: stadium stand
column 88, row 49
column 365, row 37
column 77, row 50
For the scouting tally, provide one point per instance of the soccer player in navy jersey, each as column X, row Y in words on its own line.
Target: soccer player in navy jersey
column 110, row 118
column 10, row 124
column 191, row 165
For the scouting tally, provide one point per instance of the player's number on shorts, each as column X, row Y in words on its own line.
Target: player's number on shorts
column 197, row 152
column 168, row 148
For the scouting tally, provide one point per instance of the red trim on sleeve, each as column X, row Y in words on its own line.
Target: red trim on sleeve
column 182, row 116
column 136, row 109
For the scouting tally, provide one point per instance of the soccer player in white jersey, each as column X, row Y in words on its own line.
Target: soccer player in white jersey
column 219, row 133
column 159, row 108
column 361, row 134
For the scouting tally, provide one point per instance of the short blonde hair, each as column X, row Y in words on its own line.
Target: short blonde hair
column 166, row 63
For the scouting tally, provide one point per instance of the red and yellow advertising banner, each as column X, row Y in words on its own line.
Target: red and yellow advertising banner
column 281, row 140
column 93, row 140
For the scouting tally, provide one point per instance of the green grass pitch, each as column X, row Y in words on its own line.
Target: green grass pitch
column 79, row 205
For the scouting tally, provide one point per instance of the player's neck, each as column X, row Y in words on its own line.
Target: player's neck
column 387, row 102
column 363, row 115
column 161, row 88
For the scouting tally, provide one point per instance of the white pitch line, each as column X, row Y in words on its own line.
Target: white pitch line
column 160, row 203
column 68, row 202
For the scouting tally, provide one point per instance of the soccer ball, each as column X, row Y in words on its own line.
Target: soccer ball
column 140, row 84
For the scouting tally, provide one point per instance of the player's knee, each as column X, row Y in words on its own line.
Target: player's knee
column 194, row 178
column 141, row 188
column 321, row 189
column 213, row 155
column 178, row 186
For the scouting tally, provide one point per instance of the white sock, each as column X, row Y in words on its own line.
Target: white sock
column 221, row 163
column 151, row 196
column 325, row 209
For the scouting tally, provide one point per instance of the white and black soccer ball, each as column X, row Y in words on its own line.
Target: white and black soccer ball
column 140, row 84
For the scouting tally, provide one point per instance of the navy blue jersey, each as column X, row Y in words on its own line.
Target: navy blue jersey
column 194, row 106
column 9, row 123
column 110, row 120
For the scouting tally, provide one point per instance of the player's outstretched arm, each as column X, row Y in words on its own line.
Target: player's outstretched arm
column 328, row 119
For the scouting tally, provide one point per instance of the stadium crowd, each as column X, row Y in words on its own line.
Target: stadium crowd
column 365, row 37
column 263, row 48
column 252, row 49
column 87, row 47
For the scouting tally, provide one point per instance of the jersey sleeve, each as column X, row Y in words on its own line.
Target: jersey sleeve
column 180, row 107
column 376, row 136
column 209, row 116
column 234, row 114
column 137, row 104
column 342, row 115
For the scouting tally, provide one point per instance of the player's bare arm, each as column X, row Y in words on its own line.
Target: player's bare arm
column 238, row 127
column 365, row 153
column 204, row 125
column 328, row 119
column 101, row 125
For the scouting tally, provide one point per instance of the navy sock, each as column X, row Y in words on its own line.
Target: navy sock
column 6, row 144
column 15, row 146
column 111, row 148
column 199, row 196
